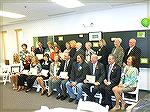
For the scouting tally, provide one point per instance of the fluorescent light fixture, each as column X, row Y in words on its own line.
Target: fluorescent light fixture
column 68, row 3
column 11, row 15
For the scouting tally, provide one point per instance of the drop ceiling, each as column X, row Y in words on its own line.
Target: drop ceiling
column 45, row 9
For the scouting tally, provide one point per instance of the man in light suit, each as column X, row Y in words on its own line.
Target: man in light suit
column 133, row 50
column 112, row 78
column 79, row 50
column 96, row 69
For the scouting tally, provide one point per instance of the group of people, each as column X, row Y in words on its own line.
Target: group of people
column 114, row 73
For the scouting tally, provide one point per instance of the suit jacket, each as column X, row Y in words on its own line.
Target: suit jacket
column 37, row 51
column 69, row 67
column 79, row 74
column 119, row 54
column 72, row 52
column 99, row 71
column 104, row 53
column 80, row 51
column 115, row 75
column 134, row 52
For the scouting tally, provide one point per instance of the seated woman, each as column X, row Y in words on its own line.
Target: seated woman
column 40, row 78
column 54, row 67
column 30, row 78
column 22, row 77
column 128, row 82
column 14, row 75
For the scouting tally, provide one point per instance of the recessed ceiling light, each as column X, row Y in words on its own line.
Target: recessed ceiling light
column 68, row 3
column 11, row 15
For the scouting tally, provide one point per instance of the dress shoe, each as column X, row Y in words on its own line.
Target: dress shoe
column 59, row 96
column 71, row 99
column 63, row 98
column 76, row 101
column 27, row 90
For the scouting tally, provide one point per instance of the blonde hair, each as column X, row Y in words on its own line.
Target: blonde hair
column 72, row 43
column 36, row 59
column 16, row 58
column 103, row 42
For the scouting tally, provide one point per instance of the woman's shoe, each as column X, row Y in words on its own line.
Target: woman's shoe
column 44, row 91
column 19, row 89
column 115, row 108
column 49, row 94
column 124, row 106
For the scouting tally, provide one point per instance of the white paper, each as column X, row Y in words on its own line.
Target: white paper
column 63, row 75
column 33, row 71
column 25, row 72
column 90, row 78
column 40, row 56
column 44, row 72
column 15, row 69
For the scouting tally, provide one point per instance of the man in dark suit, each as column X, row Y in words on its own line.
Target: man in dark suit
column 39, row 50
column 79, row 50
column 97, row 70
column 65, row 66
column 112, row 78
column 133, row 50
column 78, row 73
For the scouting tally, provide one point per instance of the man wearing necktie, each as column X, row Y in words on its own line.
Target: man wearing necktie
column 112, row 78
column 65, row 66
column 96, row 69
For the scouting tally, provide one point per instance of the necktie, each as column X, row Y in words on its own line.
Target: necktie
column 109, row 72
column 93, row 69
column 65, row 67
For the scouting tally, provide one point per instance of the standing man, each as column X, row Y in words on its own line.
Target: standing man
column 96, row 69
column 112, row 78
column 79, row 50
column 133, row 50
column 40, row 50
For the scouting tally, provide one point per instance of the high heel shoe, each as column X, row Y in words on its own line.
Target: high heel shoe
column 124, row 106
column 49, row 94
column 44, row 91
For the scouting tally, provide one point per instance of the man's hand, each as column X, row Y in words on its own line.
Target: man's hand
column 96, row 83
column 73, row 83
column 86, row 81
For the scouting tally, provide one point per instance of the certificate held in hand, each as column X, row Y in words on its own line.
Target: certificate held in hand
column 40, row 56
column 33, row 71
column 63, row 75
column 44, row 72
column 90, row 78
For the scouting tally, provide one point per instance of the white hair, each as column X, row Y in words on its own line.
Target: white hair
column 119, row 39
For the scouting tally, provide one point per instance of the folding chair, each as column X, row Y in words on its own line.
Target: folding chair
column 5, row 73
column 39, row 87
column 135, row 93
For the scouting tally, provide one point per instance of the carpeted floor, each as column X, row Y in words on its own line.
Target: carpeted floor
column 12, row 101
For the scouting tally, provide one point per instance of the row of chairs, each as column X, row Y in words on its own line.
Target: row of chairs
column 5, row 74
column 129, row 97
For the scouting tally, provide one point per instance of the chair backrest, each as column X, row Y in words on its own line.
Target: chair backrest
column 136, row 93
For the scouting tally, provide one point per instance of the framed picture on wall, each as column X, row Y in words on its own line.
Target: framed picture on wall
column 95, row 36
